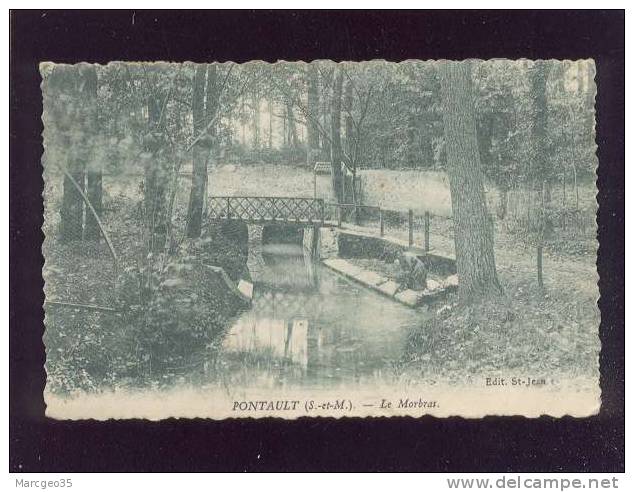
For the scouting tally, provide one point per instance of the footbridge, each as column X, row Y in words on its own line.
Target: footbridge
column 260, row 212
column 267, row 210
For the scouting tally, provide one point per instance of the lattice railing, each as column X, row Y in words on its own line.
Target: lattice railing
column 266, row 209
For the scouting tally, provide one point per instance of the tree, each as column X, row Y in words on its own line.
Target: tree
column 270, row 133
column 326, row 100
column 313, row 110
column 349, row 123
column 199, row 150
column 335, row 136
column 255, row 101
column 156, row 177
column 94, row 173
column 66, row 110
column 292, row 127
column 473, row 226
column 542, row 168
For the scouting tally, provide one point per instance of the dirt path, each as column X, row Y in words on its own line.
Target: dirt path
column 573, row 274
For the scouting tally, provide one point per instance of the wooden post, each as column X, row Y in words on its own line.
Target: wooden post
column 228, row 208
column 338, row 214
column 323, row 213
column 540, row 278
column 426, row 232
column 315, row 244
column 381, row 226
column 343, row 186
column 563, row 214
column 410, row 220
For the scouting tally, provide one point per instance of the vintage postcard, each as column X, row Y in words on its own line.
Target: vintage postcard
column 320, row 239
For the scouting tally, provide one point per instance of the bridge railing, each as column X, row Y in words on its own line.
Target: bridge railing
column 266, row 209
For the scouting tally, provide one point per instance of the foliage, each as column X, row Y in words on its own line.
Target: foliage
column 183, row 315
column 540, row 335
column 141, row 129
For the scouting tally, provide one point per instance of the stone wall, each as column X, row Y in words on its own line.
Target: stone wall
column 358, row 246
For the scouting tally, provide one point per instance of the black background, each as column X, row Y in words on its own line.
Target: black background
column 309, row 444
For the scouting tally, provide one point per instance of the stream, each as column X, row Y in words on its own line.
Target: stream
column 311, row 327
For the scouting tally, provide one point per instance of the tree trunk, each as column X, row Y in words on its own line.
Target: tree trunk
column 94, row 175
column 270, row 106
column 284, row 130
column 326, row 98
column 335, row 137
column 350, row 150
column 256, row 119
column 411, row 142
column 292, row 127
column 504, row 202
column 199, row 156
column 475, row 257
column 65, row 81
column 349, row 124
column 243, row 121
column 94, row 190
column 211, row 97
column 156, row 178
column 589, row 111
column 542, row 170
column 312, row 129
column 71, row 224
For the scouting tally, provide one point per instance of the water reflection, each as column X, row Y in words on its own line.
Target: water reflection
column 310, row 326
column 273, row 337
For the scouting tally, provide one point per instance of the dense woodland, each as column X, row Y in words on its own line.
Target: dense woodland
column 533, row 125
column 514, row 125
column 390, row 115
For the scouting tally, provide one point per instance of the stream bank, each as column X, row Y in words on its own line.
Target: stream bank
column 369, row 261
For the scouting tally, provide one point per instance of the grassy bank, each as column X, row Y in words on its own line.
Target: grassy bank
column 547, row 334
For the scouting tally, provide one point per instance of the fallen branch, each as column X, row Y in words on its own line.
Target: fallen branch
column 95, row 215
column 89, row 307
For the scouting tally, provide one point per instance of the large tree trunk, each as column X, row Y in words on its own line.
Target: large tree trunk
column 94, row 174
column 313, row 111
column 473, row 227
column 199, row 156
column 156, row 179
column 212, row 95
column 211, row 98
column 64, row 81
column 335, row 137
